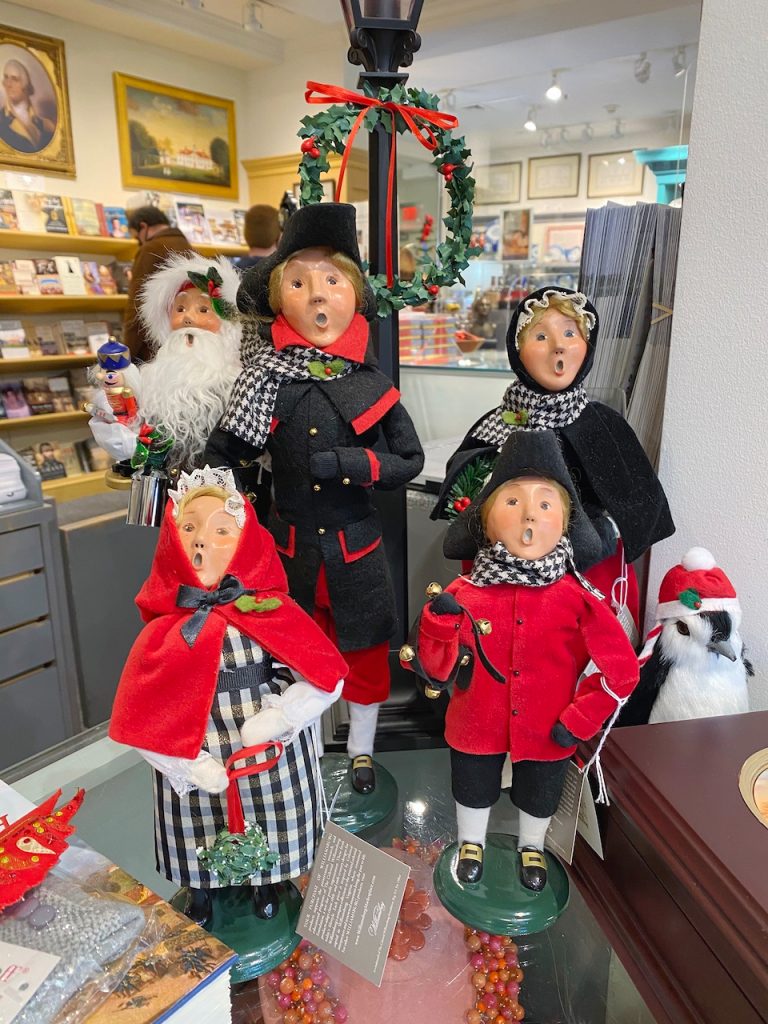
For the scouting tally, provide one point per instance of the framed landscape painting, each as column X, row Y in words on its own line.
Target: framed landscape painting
column 35, row 128
column 175, row 140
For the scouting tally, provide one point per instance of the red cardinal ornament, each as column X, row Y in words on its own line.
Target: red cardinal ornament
column 31, row 846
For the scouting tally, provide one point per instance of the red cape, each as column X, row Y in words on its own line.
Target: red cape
column 167, row 688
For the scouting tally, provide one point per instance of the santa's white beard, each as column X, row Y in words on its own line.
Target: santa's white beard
column 186, row 387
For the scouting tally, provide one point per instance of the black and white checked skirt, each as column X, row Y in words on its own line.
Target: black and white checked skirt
column 285, row 801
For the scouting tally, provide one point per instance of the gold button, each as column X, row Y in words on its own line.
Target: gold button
column 346, row 481
column 244, row 462
column 407, row 653
column 433, row 589
column 464, row 660
column 312, row 431
column 316, row 487
column 321, row 530
column 484, row 627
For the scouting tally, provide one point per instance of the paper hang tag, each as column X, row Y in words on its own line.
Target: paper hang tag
column 22, row 972
column 588, row 826
column 561, row 834
column 352, row 902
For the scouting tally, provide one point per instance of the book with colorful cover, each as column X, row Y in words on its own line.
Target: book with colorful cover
column 7, row 280
column 85, row 217
column 61, row 394
column 9, row 220
column 13, row 340
column 48, row 281
column 98, row 278
column 37, row 392
column 25, row 276
column 55, row 222
column 29, row 210
column 45, row 339
column 239, row 216
column 223, row 230
column 12, row 397
column 75, row 337
column 192, row 222
column 121, row 271
column 116, row 220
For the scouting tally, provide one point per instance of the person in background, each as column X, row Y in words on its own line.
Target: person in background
column 262, row 230
column 156, row 238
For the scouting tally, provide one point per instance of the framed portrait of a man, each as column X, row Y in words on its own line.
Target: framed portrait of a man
column 35, row 127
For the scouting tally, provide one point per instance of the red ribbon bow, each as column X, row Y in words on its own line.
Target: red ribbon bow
column 235, row 818
column 419, row 121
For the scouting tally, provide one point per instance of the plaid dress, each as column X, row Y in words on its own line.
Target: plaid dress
column 285, row 801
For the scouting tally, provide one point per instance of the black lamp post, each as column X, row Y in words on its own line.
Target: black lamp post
column 382, row 36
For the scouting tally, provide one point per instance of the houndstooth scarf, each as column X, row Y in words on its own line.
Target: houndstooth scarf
column 494, row 564
column 522, row 408
column 252, row 402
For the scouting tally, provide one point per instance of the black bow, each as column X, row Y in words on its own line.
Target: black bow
column 204, row 601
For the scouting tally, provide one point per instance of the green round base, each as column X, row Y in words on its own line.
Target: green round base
column 260, row 945
column 352, row 810
column 499, row 903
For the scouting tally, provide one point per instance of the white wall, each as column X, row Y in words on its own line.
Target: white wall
column 714, row 464
column 92, row 56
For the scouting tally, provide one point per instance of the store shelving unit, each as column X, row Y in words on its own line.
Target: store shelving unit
column 47, row 419
column 39, row 363
column 14, row 305
column 121, row 248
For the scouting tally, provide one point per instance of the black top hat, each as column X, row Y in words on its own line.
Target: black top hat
column 525, row 453
column 320, row 224
column 540, row 297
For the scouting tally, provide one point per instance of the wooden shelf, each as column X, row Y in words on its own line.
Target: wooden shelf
column 45, row 363
column 125, row 248
column 82, row 485
column 10, row 304
column 44, row 420
column 222, row 250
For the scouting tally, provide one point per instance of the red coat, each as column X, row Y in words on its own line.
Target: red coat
column 167, row 687
column 542, row 639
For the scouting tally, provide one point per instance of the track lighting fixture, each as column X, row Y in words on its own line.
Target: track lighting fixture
column 587, row 132
column 252, row 16
column 678, row 61
column 642, row 68
column 617, row 133
column 554, row 93
column 530, row 121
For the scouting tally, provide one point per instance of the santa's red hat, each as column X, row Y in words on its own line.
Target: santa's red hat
column 696, row 585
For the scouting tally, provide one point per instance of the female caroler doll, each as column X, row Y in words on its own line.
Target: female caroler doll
column 311, row 398
column 226, row 660
column 516, row 688
column 551, row 344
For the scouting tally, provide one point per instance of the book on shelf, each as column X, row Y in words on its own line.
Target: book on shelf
column 71, row 274
column 9, row 221
column 25, row 276
column 13, row 340
column 121, row 271
column 93, row 458
column 28, row 454
column 50, row 465
column 48, row 280
column 40, row 212
column 55, row 215
column 116, row 221
column 239, row 218
column 14, row 402
column 37, row 392
column 84, row 217
column 75, row 337
column 7, row 281
column 223, row 230
column 61, row 394
column 45, row 339
column 98, row 278
column 82, row 388
column 98, row 333
column 192, row 222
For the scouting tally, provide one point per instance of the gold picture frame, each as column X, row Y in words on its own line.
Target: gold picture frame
column 166, row 144
column 614, row 174
column 35, row 123
column 753, row 785
column 554, row 177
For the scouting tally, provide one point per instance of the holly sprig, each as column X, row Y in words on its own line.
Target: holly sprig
column 210, row 284
column 235, row 856
column 468, row 485
column 327, row 132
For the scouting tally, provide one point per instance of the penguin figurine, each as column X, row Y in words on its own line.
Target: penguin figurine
column 693, row 663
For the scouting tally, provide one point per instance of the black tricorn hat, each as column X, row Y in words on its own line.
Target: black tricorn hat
column 525, row 453
column 320, row 224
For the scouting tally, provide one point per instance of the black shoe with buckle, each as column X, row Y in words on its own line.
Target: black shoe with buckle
column 197, row 905
column 363, row 776
column 470, row 865
column 266, row 901
column 533, row 868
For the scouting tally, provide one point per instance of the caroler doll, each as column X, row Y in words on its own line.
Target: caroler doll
column 313, row 400
column 226, row 660
column 515, row 688
column 551, row 344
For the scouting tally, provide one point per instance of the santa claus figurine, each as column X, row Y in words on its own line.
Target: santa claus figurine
column 312, row 397
column 226, row 660
column 188, row 307
column 515, row 635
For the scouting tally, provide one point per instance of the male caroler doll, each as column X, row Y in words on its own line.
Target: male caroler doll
column 517, row 695
column 224, row 651
column 311, row 398
column 551, row 343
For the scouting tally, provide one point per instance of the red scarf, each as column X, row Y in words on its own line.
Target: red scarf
column 167, row 687
column 350, row 345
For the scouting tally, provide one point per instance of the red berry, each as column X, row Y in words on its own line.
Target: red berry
column 457, row 505
column 314, row 152
column 307, row 144
column 449, row 176
column 433, row 289
column 328, row 371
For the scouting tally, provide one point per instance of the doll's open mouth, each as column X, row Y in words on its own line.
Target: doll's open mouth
column 527, row 536
column 197, row 560
column 321, row 320
column 559, row 366
column 190, row 339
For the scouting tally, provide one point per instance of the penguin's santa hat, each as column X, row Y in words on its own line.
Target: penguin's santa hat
column 694, row 586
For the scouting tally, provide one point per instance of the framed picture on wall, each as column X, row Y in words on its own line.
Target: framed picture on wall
column 35, row 126
column 498, row 183
column 516, row 234
column 175, row 140
column 554, row 177
column 614, row 174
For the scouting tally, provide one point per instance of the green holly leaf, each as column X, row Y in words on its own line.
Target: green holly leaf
column 690, row 598
column 518, row 418
column 317, row 369
column 198, row 280
column 248, row 603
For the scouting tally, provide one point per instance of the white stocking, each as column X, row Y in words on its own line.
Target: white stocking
column 472, row 823
column 532, row 830
column 362, row 728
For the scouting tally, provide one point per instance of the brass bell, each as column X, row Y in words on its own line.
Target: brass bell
column 433, row 589
column 407, row 653
column 484, row 626
column 431, row 692
column 464, row 660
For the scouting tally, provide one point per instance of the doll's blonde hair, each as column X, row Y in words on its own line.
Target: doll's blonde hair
column 563, row 305
column 199, row 492
column 565, row 501
column 345, row 264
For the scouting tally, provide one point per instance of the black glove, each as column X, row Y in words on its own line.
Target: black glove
column 445, row 604
column 604, row 529
column 324, row 465
column 562, row 736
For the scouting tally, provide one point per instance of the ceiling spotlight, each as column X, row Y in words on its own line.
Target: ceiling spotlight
column 252, row 16
column 546, row 140
column 642, row 69
column 554, row 93
column 194, row 5
column 587, row 132
column 450, row 100
column 530, row 121
column 678, row 61
column 617, row 133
